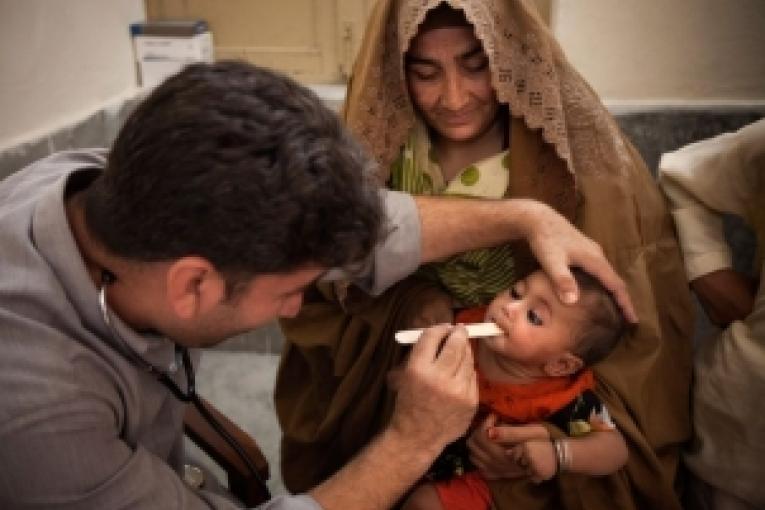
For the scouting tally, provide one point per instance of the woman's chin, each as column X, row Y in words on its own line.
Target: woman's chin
column 458, row 133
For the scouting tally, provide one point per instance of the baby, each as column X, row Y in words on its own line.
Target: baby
column 537, row 371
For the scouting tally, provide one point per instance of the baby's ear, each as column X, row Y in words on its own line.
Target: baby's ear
column 565, row 364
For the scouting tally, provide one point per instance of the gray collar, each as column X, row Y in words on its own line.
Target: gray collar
column 56, row 244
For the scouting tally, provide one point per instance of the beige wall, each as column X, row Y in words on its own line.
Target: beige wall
column 313, row 41
column 61, row 60
column 666, row 50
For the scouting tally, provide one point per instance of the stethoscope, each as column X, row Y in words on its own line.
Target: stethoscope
column 190, row 395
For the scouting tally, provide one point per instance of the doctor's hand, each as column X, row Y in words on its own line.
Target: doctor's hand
column 558, row 245
column 437, row 393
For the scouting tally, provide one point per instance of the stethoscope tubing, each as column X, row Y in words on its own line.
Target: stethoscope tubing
column 190, row 395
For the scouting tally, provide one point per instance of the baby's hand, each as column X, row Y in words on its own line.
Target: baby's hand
column 491, row 445
column 536, row 459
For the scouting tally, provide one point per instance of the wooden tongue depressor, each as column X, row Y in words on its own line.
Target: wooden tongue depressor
column 482, row 329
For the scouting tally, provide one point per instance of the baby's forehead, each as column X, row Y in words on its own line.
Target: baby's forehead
column 585, row 307
column 541, row 283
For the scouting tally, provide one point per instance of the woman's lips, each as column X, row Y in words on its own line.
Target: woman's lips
column 457, row 120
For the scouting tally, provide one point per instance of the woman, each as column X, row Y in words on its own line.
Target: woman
column 439, row 112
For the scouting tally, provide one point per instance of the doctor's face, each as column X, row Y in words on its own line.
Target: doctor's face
column 265, row 298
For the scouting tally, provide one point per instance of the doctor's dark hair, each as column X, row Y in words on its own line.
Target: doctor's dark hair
column 241, row 166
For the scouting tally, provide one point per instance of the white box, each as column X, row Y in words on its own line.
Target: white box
column 160, row 56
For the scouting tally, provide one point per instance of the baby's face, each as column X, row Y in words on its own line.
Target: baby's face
column 537, row 326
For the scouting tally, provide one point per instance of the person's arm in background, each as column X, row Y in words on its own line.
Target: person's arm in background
column 436, row 398
column 446, row 226
column 702, row 181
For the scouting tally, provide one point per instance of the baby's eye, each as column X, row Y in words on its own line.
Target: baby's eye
column 514, row 293
column 534, row 318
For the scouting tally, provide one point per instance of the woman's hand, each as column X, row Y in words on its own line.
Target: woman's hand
column 491, row 447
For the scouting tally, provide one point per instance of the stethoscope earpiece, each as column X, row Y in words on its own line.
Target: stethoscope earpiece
column 107, row 277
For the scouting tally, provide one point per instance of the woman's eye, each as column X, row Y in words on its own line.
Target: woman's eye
column 534, row 318
column 423, row 75
column 477, row 64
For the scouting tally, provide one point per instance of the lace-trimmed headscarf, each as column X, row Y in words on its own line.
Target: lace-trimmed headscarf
column 529, row 73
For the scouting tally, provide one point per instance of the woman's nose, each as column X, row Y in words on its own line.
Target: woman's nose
column 454, row 95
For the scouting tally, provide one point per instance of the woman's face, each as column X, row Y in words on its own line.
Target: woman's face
column 449, row 80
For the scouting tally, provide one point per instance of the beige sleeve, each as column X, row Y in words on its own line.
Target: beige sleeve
column 705, row 179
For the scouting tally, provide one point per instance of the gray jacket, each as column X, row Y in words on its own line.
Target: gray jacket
column 81, row 427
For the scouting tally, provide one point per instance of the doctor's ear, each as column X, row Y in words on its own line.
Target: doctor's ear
column 565, row 364
column 193, row 287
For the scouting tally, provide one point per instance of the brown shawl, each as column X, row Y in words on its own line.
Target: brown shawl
column 331, row 393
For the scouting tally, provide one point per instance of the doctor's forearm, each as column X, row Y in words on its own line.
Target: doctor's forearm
column 453, row 225
column 378, row 477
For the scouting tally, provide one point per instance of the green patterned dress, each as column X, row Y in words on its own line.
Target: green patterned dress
column 475, row 277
